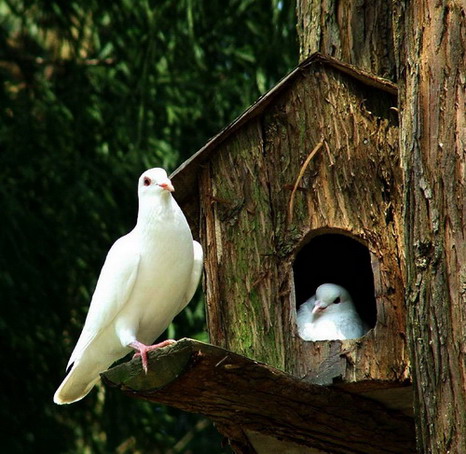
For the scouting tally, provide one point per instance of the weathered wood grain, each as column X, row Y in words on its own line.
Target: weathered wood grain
column 186, row 175
column 243, row 269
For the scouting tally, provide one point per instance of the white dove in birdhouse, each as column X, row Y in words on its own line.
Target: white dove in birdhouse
column 330, row 315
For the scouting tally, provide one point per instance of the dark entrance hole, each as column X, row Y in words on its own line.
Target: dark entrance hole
column 339, row 259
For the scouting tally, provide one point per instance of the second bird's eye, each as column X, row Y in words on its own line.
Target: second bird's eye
column 337, row 300
column 147, row 181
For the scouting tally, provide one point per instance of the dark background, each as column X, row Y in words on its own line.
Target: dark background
column 92, row 94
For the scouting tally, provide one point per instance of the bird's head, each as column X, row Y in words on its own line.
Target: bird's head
column 331, row 298
column 154, row 182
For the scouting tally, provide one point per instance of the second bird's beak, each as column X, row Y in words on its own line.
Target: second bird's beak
column 319, row 306
column 167, row 186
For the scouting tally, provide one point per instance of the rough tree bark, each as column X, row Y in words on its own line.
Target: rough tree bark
column 432, row 80
column 357, row 32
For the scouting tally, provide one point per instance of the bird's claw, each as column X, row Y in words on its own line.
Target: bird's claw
column 142, row 350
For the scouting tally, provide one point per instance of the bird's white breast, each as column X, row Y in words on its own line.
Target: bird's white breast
column 168, row 252
column 332, row 326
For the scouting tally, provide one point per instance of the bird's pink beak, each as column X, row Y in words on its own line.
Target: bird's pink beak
column 319, row 307
column 167, row 186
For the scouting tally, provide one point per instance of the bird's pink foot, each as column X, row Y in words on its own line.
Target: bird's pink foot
column 142, row 350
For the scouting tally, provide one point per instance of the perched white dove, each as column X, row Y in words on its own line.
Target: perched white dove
column 329, row 315
column 149, row 276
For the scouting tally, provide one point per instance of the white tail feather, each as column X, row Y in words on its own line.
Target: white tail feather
column 79, row 382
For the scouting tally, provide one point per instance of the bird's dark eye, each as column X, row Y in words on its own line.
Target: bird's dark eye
column 337, row 300
column 147, row 181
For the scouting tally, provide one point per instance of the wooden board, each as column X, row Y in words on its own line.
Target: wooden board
column 252, row 403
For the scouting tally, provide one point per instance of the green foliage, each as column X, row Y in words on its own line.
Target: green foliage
column 93, row 92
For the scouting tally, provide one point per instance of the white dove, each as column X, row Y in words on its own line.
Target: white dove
column 329, row 315
column 149, row 276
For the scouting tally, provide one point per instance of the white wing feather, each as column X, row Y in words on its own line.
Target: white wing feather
column 351, row 326
column 305, row 317
column 113, row 290
column 196, row 274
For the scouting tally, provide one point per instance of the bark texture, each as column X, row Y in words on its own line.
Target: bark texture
column 355, row 31
column 260, row 408
column 432, row 38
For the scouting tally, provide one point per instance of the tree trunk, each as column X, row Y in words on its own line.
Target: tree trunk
column 357, row 32
column 433, row 142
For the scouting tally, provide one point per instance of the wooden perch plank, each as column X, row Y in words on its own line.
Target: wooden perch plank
column 241, row 395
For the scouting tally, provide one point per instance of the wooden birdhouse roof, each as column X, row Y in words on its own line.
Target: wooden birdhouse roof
column 185, row 176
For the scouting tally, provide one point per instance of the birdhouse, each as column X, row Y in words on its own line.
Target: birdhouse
column 303, row 189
